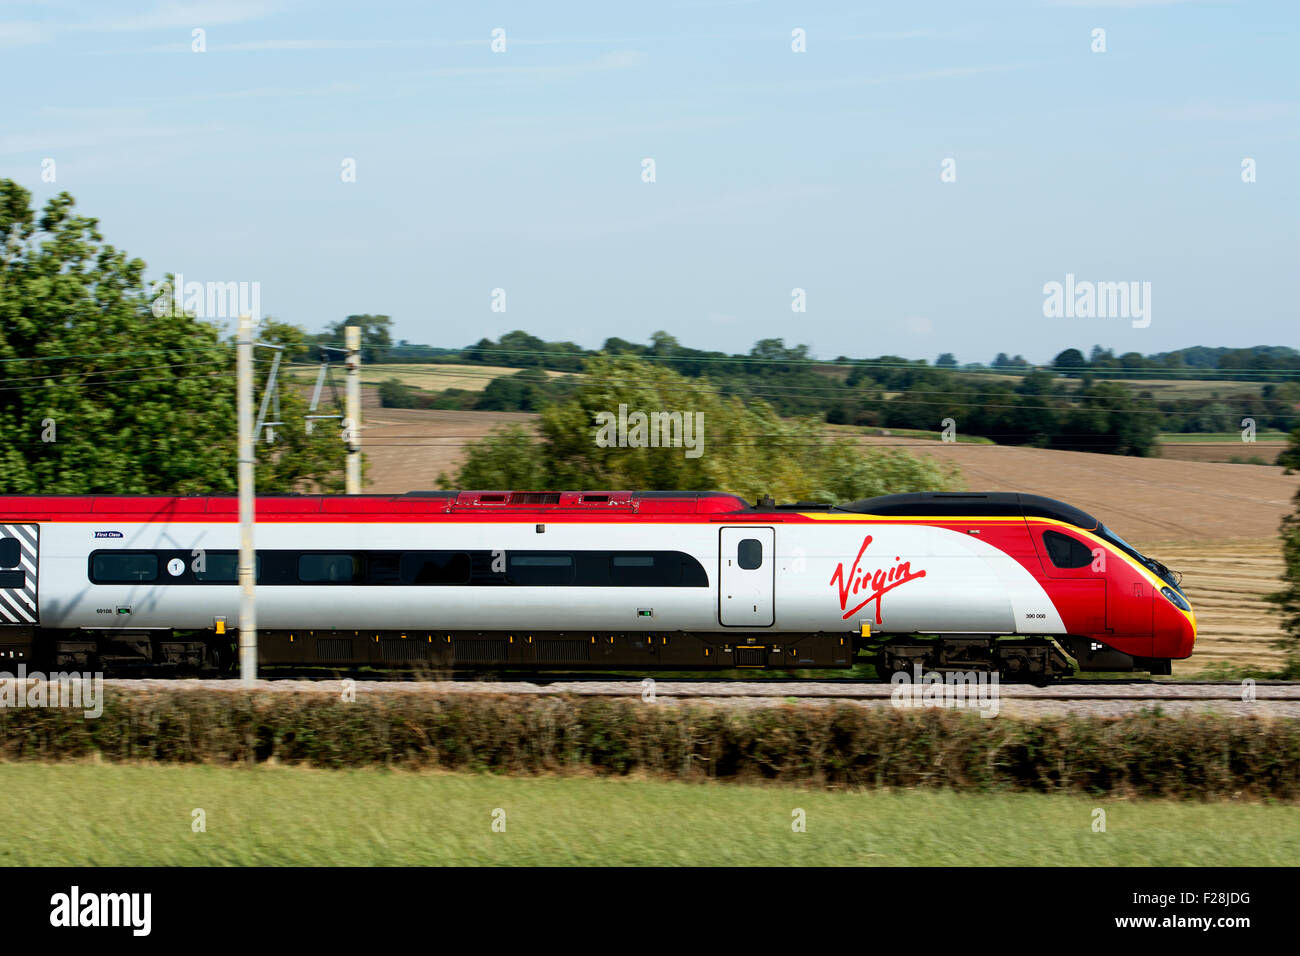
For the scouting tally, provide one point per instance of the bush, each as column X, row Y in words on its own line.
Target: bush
column 741, row 446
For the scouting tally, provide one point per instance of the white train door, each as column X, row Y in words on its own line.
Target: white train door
column 18, row 573
column 746, row 577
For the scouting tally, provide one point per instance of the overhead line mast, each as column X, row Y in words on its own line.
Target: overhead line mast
column 352, row 424
column 247, row 504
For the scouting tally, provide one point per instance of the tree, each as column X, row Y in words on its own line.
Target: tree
column 376, row 341
column 1290, row 456
column 746, row 448
column 102, row 395
column 1070, row 362
column 1216, row 417
column 520, row 349
column 1288, row 598
column 520, row 392
column 1110, row 419
column 948, row 360
column 288, row 458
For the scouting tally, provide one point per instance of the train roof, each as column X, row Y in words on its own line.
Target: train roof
column 993, row 504
column 572, row 503
column 66, row 507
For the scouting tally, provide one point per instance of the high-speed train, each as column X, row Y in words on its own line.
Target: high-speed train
column 1016, row 583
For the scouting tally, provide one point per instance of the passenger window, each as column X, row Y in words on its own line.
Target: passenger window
column 749, row 554
column 662, row 570
column 10, row 551
column 119, row 567
column 222, row 567
column 329, row 568
column 538, row 570
column 435, row 567
column 1065, row 551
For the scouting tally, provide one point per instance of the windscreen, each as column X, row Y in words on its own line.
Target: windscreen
column 1161, row 571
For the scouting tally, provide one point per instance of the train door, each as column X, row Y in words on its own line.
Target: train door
column 18, row 574
column 1078, row 582
column 746, row 577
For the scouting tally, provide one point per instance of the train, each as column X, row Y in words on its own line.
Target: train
column 460, row 581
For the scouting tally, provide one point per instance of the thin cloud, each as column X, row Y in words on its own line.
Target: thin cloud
column 182, row 14
column 848, row 82
column 24, row 33
column 623, row 60
column 1116, row 3
column 1232, row 112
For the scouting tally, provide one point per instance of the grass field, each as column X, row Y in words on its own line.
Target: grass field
column 850, row 431
column 431, row 378
column 1201, row 438
column 101, row 815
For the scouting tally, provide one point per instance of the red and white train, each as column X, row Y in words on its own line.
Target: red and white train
column 565, row 580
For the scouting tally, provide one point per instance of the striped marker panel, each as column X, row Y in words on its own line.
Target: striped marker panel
column 18, row 604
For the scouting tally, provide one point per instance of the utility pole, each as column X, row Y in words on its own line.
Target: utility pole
column 247, row 556
column 352, row 423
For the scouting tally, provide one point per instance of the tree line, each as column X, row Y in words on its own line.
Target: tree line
column 1076, row 404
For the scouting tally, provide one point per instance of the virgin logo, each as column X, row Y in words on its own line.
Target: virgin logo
column 856, row 582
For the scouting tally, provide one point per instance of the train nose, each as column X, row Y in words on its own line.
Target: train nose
column 1175, row 629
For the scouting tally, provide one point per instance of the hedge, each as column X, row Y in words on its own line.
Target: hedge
column 1196, row 756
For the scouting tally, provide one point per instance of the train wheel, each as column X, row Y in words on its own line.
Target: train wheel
column 218, row 658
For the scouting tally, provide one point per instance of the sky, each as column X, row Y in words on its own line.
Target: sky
column 921, row 170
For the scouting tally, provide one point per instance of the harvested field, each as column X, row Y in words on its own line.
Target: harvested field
column 1221, row 451
column 407, row 447
column 430, row 378
column 1148, row 501
column 1226, row 581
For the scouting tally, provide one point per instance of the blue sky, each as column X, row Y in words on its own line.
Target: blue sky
column 774, row 170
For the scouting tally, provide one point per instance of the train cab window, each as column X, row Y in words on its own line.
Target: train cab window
column 10, row 551
column 539, row 569
column 123, row 567
column 329, row 568
column 658, row 570
column 749, row 554
column 1065, row 551
column 435, row 567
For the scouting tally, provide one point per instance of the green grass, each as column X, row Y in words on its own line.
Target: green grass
column 1217, row 437
column 105, row 815
column 429, row 377
column 917, row 433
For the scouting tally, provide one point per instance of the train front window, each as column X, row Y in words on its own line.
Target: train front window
column 1151, row 564
column 1065, row 551
column 10, row 552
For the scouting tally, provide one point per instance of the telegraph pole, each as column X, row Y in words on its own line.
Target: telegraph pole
column 352, row 424
column 247, row 556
